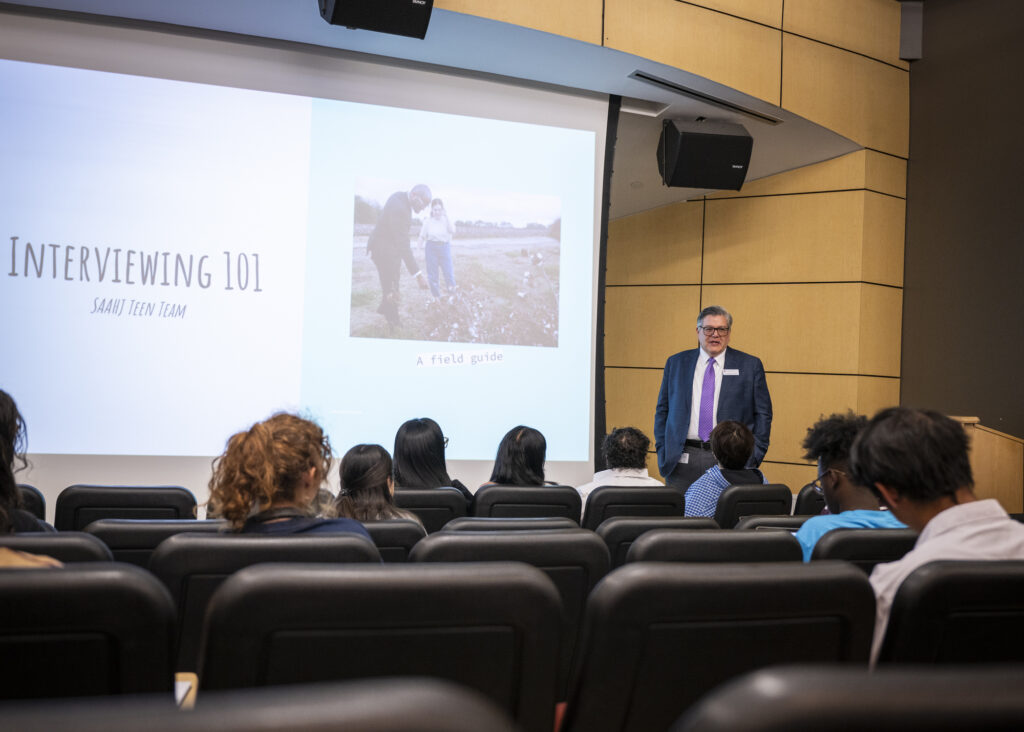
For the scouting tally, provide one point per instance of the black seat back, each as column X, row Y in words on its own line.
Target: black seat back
column 737, row 501
column 32, row 500
column 658, row 636
column 395, row 538
column 715, row 545
column 809, row 502
column 784, row 523
column 80, row 505
column 608, row 501
column 86, row 629
column 619, row 532
column 67, row 546
column 434, row 506
column 491, row 627
column 192, row 566
column 865, row 547
column 803, row 698
column 134, row 540
column 486, row 523
column 574, row 559
column 376, row 705
column 958, row 612
column 532, row 501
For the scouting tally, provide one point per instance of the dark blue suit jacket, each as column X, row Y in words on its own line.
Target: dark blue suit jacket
column 743, row 398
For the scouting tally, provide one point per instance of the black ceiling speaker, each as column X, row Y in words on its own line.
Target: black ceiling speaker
column 400, row 17
column 704, row 154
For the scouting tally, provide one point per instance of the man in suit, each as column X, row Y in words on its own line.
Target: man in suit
column 702, row 387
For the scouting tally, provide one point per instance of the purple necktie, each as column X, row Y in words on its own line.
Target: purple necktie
column 707, row 403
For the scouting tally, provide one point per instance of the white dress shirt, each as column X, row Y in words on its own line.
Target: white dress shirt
column 698, row 388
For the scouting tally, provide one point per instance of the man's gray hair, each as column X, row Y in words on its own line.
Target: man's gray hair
column 714, row 310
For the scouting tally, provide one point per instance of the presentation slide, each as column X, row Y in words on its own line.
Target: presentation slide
column 180, row 260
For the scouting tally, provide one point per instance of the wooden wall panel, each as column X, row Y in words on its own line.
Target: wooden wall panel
column 870, row 27
column 883, row 234
column 738, row 53
column 885, row 173
column 646, row 325
column 805, row 328
column 795, row 476
column 631, row 398
column 865, row 100
column 838, row 174
column 997, row 462
column 661, row 246
column 579, row 19
column 800, row 400
column 881, row 328
column 785, row 239
column 768, row 12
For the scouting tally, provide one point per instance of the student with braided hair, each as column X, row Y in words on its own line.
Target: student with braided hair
column 268, row 478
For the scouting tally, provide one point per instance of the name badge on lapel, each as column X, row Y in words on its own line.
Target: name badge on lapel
column 730, row 372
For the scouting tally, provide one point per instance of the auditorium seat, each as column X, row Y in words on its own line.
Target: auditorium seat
column 619, row 532
column 32, row 500
column 811, row 698
column 84, row 630
column 434, row 506
column 786, row 523
column 608, row 501
column 532, row 501
column 377, row 705
column 737, row 501
column 134, row 540
column 395, row 538
column 658, row 635
column 67, row 546
column 80, row 505
column 485, row 523
column 809, row 502
column 714, row 545
column 958, row 612
column 192, row 566
column 574, row 559
column 493, row 627
column 865, row 547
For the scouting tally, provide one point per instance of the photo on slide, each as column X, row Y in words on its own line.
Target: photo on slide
column 471, row 266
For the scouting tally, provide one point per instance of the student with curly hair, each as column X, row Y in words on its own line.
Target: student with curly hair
column 268, row 479
column 12, row 457
column 367, row 488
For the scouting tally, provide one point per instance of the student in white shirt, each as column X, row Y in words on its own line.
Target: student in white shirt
column 436, row 237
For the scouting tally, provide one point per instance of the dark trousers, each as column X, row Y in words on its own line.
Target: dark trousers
column 685, row 473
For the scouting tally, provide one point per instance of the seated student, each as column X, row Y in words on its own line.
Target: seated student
column 850, row 505
column 13, row 519
column 269, row 477
column 367, row 487
column 732, row 444
column 917, row 462
column 625, row 455
column 419, row 457
column 520, row 458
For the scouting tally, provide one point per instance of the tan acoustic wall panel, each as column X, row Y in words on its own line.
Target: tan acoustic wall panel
column 794, row 476
column 660, row 246
column 870, row 27
column 579, row 19
column 885, row 173
column 883, row 235
column 860, row 98
column 768, row 12
column 799, row 400
column 881, row 328
column 632, row 395
column 738, row 53
column 645, row 325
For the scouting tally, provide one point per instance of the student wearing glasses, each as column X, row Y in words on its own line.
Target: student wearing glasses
column 850, row 505
column 702, row 387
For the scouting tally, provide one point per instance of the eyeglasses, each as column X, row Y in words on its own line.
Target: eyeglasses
column 711, row 330
column 446, row 442
column 817, row 481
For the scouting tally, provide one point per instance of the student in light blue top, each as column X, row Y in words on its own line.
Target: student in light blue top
column 850, row 505
column 732, row 444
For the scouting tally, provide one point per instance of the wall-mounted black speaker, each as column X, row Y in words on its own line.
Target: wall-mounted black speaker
column 704, row 154
column 400, row 17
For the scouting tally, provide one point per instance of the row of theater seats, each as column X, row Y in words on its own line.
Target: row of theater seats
column 785, row 699
column 656, row 636
column 79, row 505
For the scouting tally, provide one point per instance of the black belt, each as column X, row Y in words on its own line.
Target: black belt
column 698, row 443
